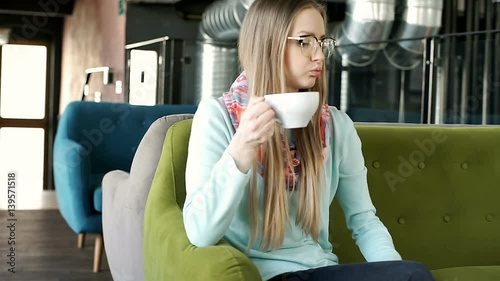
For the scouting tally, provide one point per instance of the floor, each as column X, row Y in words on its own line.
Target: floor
column 31, row 200
column 45, row 248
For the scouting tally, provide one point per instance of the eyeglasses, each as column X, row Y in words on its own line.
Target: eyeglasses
column 309, row 44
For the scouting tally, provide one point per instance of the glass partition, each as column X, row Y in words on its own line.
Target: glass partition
column 446, row 79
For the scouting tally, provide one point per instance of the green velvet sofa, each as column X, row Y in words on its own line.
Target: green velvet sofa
column 436, row 188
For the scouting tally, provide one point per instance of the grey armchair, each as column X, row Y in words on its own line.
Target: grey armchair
column 124, row 200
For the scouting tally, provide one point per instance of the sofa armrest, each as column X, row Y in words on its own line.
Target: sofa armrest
column 74, row 192
column 168, row 254
column 124, row 201
column 123, row 209
column 112, row 181
column 71, row 160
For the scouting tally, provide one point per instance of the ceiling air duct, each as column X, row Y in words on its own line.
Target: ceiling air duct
column 365, row 21
column 418, row 18
column 217, row 55
column 222, row 20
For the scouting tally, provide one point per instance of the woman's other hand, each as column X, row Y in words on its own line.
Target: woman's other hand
column 256, row 127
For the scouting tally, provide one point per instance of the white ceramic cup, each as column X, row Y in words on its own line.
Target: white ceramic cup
column 294, row 110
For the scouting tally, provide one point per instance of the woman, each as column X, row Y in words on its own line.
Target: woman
column 267, row 190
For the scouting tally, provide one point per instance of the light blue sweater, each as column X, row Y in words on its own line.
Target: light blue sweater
column 216, row 201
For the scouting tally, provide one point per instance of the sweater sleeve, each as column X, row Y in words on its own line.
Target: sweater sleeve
column 371, row 236
column 214, row 185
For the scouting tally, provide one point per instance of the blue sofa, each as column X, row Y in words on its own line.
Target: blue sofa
column 91, row 140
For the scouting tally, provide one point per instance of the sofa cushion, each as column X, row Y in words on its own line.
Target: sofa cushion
column 468, row 273
column 98, row 199
column 436, row 188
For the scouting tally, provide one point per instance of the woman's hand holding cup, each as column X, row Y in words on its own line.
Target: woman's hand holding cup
column 256, row 127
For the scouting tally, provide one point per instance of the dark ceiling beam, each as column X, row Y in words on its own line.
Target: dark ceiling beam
column 51, row 8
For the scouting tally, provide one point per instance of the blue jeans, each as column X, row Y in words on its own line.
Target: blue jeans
column 368, row 271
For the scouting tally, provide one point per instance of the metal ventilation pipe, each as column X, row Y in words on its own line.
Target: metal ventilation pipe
column 419, row 18
column 216, row 54
column 365, row 21
column 222, row 20
column 216, row 69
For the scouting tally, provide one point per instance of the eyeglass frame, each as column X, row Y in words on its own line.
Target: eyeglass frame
column 319, row 42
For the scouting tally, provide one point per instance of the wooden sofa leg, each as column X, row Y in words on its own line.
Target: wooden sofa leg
column 98, row 252
column 81, row 240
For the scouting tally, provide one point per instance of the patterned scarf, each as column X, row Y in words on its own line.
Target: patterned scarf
column 236, row 101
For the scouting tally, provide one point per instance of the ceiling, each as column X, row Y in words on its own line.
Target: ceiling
column 37, row 7
column 154, row 1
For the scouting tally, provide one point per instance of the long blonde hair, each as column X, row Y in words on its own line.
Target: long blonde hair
column 261, row 49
